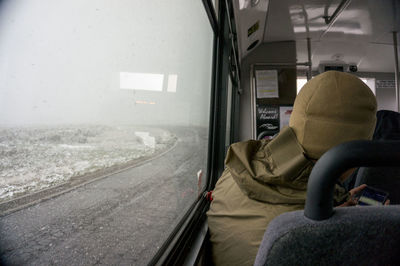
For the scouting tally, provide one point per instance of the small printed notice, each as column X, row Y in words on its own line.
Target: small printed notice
column 267, row 84
column 284, row 115
column 385, row 84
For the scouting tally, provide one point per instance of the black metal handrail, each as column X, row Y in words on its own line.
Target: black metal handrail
column 319, row 202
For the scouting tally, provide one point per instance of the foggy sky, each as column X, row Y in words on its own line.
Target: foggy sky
column 61, row 61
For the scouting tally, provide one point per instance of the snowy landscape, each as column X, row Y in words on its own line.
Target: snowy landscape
column 34, row 158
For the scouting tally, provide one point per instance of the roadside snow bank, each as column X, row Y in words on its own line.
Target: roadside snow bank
column 35, row 158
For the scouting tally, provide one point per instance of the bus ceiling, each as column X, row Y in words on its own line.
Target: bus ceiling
column 355, row 32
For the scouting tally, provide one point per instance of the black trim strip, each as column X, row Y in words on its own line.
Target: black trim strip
column 213, row 117
column 208, row 5
column 232, row 37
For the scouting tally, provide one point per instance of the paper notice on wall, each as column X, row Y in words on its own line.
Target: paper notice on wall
column 284, row 115
column 385, row 84
column 267, row 84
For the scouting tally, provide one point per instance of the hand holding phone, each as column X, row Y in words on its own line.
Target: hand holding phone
column 371, row 196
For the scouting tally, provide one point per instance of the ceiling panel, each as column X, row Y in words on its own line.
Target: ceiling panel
column 250, row 19
column 361, row 34
column 278, row 14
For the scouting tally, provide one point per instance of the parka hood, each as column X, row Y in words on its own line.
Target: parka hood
column 330, row 109
column 271, row 171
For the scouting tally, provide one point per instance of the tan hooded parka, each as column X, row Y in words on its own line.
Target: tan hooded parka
column 265, row 178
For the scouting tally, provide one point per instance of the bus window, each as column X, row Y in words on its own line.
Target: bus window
column 300, row 83
column 104, row 121
column 369, row 81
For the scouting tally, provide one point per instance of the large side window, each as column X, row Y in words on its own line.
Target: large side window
column 104, row 115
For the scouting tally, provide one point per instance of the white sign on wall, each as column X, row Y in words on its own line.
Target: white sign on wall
column 383, row 84
column 284, row 115
column 267, row 84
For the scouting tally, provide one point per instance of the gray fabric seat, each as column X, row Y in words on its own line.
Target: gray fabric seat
column 352, row 236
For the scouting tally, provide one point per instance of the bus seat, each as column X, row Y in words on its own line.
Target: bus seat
column 388, row 178
column 352, row 236
column 323, row 235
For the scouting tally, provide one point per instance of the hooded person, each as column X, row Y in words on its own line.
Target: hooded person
column 266, row 178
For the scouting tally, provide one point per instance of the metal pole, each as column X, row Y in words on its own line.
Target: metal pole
column 282, row 64
column 309, row 74
column 330, row 20
column 253, row 95
column 396, row 69
column 342, row 6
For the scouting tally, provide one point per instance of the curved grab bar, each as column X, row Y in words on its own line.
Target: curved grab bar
column 319, row 202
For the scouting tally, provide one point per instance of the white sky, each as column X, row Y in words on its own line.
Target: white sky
column 66, row 62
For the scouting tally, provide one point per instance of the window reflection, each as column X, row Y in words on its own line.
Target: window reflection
column 172, row 81
column 141, row 81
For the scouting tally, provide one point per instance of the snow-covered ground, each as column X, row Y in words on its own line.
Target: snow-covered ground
column 33, row 158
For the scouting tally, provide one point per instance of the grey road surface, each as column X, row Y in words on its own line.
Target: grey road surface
column 122, row 219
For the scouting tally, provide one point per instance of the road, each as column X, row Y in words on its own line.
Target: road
column 122, row 219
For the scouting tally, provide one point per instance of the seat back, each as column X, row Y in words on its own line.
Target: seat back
column 321, row 235
column 385, row 178
column 352, row 236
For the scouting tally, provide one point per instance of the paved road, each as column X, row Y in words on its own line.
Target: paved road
column 122, row 219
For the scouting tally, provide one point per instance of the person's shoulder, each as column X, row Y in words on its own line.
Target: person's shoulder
column 247, row 147
column 251, row 142
column 225, row 176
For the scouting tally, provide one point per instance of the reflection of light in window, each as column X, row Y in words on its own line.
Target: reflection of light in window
column 370, row 83
column 172, row 81
column 322, row 27
column 243, row 4
column 141, row 81
column 144, row 102
column 300, row 83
